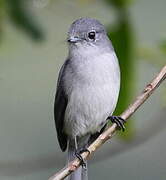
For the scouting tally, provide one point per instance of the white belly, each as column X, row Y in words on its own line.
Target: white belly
column 92, row 98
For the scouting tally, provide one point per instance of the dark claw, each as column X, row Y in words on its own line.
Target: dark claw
column 84, row 150
column 119, row 122
column 78, row 155
column 81, row 159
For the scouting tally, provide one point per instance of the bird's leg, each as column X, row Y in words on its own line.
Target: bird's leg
column 119, row 122
column 78, row 153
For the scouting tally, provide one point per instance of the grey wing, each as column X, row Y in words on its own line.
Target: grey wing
column 59, row 110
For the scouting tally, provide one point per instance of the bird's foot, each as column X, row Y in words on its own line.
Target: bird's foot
column 78, row 155
column 119, row 122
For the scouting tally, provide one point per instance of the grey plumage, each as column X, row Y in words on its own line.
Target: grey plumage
column 87, row 89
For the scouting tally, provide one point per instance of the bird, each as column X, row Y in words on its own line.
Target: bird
column 87, row 90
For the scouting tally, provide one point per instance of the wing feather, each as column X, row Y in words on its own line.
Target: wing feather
column 59, row 109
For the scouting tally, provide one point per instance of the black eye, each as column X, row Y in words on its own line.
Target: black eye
column 91, row 35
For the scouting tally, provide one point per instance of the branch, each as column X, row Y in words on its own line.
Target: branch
column 107, row 134
column 142, row 136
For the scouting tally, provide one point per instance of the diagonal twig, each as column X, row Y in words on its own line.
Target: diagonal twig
column 107, row 134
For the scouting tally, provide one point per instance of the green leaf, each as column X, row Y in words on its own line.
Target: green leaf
column 20, row 17
column 119, row 3
column 163, row 46
column 122, row 38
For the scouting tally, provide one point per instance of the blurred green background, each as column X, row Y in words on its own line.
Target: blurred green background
column 32, row 50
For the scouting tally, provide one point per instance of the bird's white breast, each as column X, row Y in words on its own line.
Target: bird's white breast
column 92, row 93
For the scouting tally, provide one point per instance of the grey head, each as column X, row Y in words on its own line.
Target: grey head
column 88, row 32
